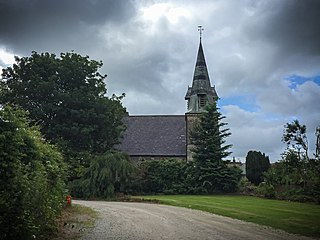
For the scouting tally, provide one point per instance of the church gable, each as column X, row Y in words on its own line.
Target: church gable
column 155, row 136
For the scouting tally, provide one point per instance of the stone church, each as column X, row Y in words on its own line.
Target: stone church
column 167, row 136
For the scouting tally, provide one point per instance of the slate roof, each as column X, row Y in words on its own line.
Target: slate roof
column 201, row 84
column 161, row 135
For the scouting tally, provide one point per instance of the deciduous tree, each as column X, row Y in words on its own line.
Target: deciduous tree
column 107, row 174
column 295, row 136
column 295, row 177
column 66, row 96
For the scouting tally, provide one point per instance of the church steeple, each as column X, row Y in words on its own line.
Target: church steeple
column 200, row 93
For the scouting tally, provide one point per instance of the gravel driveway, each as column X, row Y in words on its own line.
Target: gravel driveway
column 121, row 220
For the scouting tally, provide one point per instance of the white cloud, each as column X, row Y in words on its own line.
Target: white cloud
column 168, row 10
column 6, row 58
column 251, row 131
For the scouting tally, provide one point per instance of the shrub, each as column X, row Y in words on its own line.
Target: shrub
column 266, row 190
column 246, row 187
column 176, row 176
column 107, row 174
column 162, row 176
column 31, row 179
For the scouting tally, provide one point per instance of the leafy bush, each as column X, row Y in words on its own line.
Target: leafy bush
column 159, row 176
column 176, row 176
column 31, row 179
column 246, row 187
column 293, row 182
column 107, row 174
column 266, row 190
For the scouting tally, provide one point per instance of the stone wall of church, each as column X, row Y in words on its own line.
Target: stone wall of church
column 191, row 118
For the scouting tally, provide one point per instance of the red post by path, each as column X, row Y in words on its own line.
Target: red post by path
column 69, row 200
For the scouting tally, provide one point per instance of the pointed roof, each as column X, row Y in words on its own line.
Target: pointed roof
column 201, row 80
column 200, row 84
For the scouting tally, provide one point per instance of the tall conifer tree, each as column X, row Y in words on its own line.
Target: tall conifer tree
column 256, row 164
column 212, row 173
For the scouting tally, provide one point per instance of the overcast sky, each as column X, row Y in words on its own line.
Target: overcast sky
column 263, row 56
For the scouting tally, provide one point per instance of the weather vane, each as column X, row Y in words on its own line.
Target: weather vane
column 200, row 29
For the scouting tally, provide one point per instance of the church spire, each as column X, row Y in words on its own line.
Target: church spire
column 200, row 93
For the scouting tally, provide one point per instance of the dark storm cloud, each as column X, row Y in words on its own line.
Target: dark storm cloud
column 24, row 23
column 292, row 25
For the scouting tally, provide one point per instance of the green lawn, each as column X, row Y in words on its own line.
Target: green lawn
column 300, row 218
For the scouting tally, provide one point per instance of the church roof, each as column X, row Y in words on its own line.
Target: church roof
column 161, row 135
column 201, row 81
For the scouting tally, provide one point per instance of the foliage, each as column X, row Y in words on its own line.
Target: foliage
column 266, row 190
column 295, row 136
column 163, row 176
column 176, row 176
column 209, row 137
column 293, row 217
column 295, row 177
column 31, row 179
column 283, row 181
column 66, row 96
column 211, row 172
column 107, row 174
column 317, row 133
column 246, row 187
column 256, row 164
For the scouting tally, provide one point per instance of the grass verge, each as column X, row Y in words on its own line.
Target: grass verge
column 293, row 217
column 74, row 221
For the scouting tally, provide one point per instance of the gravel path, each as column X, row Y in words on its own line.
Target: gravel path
column 120, row 220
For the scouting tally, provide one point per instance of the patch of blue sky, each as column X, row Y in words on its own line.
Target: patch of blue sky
column 296, row 80
column 245, row 102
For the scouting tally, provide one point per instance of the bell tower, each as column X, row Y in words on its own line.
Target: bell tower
column 199, row 95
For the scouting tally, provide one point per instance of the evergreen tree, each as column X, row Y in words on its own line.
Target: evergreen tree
column 211, row 172
column 256, row 164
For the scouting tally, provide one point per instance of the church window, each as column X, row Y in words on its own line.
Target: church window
column 202, row 101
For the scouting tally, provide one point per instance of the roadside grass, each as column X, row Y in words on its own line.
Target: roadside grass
column 293, row 217
column 74, row 221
